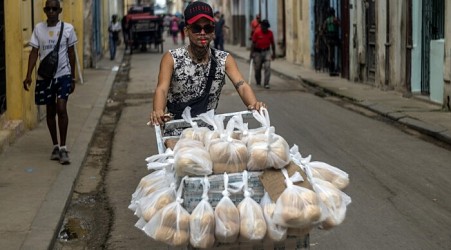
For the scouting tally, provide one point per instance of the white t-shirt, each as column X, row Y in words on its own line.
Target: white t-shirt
column 45, row 38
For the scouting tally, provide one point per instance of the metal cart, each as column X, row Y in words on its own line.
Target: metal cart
column 291, row 242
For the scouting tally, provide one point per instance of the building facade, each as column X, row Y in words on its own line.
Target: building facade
column 392, row 45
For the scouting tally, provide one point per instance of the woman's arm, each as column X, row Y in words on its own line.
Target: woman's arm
column 242, row 87
column 161, row 92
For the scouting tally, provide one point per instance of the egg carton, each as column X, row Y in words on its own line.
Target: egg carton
column 193, row 189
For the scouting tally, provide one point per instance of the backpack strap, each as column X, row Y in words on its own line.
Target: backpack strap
column 57, row 47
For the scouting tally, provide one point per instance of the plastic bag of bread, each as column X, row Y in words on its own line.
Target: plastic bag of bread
column 227, row 217
column 149, row 205
column 252, row 221
column 192, row 161
column 202, row 221
column 268, row 151
column 228, row 154
column 170, row 224
column 296, row 206
column 327, row 172
column 333, row 200
column 214, row 121
column 156, row 180
column 187, row 143
column 195, row 132
column 262, row 116
column 274, row 232
column 321, row 170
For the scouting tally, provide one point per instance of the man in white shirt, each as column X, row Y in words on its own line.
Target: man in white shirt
column 54, row 92
column 114, row 28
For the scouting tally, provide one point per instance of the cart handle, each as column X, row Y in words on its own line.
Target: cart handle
column 159, row 137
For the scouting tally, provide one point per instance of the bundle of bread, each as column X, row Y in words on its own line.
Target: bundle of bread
column 191, row 158
column 202, row 221
column 274, row 232
column 171, row 223
column 217, row 123
column 252, row 220
column 194, row 132
column 150, row 204
column 327, row 182
column 297, row 206
column 228, row 154
column 161, row 177
column 227, row 217
column 334, row 203
column 321, row 170
column 327, row 172
column 267, row 150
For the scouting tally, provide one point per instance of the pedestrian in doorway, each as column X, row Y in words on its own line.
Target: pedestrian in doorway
column 175, row 29
column 262, row 45
column 125, row 31
column 194, row 74
column 113, row 29
column 331, row 31
column 54, row 93
column 255, row 24
column 219, row 31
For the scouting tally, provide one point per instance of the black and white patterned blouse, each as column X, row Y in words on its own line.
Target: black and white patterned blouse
column 189, row 79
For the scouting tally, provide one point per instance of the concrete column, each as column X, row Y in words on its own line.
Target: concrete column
column 447, row 63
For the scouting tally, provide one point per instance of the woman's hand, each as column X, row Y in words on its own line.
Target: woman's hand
column 159, row 117
column 257, row 106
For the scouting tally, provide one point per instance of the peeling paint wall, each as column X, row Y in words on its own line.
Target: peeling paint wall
column 298, row 37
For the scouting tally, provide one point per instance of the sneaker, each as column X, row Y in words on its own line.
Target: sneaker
column 64, row 157
column 55, row 156
column 266, row 86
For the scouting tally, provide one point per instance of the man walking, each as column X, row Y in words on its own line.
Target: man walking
column 219, row 31
column 54, row 92
column 113, row 29
column 262, row 43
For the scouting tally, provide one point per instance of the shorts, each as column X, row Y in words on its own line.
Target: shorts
column 48, row 91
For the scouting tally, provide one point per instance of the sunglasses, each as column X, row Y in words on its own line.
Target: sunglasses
column 208, row 28
column 54, row 9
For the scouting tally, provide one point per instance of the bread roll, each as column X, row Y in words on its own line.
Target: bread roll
column 194, row 133
column 330, row 173
column 227, row 221
column 180, row 238
column 267, row 151
column 206, row 242
column 192, row 162
column 229, row 156
column 161, row 202
column 253, row 229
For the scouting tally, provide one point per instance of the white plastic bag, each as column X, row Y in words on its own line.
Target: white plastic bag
column 170, row 224
column 195, row 132
column 228, row 154
column 149, row 205
column 296, row 206
column 274, row 232
column 333, row 200
column 202, row 221
column 227, row 217
column 252, row 221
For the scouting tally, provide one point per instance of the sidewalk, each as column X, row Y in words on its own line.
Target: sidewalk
column 420, row 115
column 34, row 191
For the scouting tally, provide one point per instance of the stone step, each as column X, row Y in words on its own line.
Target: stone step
column 9, row 132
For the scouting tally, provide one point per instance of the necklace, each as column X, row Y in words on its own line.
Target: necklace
column 199, row 55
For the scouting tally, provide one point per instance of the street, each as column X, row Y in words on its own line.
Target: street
column 398, row 182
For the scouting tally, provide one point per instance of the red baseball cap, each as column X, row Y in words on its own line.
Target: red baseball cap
column 196, row 10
